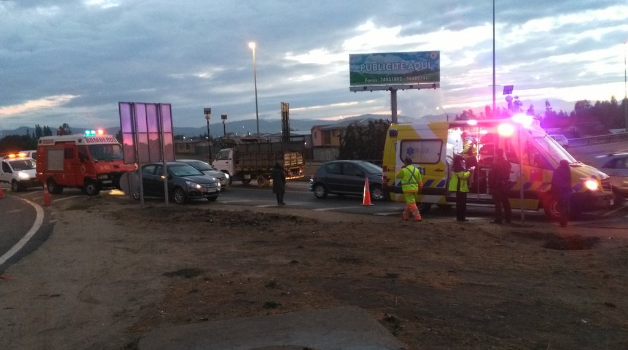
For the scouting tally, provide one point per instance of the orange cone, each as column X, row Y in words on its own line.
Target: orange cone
column 46, row 196
column 1, row 193
column 366, row 198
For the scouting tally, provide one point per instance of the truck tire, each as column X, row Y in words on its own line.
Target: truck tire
column 262, row 181
column 92, row 188
column 246, row 181
column 53, row 187
column 15, row 186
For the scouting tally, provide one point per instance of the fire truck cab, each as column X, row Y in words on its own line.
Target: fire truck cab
column 90, row 162
column 533, row 154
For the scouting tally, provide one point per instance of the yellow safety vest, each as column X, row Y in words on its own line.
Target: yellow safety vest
column 410, row 178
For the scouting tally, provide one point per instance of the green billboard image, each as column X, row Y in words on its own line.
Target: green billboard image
column 394, row 68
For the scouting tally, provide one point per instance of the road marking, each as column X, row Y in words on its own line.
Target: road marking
column 65, row 198
column 388, row 213
column 39, row 219
column 14, row 211
column 236, row 201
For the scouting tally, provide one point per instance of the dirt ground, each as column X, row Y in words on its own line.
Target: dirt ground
column 111, row 271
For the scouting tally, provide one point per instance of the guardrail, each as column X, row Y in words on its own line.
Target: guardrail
column 594, row 140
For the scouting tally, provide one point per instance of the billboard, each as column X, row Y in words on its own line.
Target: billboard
column 394, row 68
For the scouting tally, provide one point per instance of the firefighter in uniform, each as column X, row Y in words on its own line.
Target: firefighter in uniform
column 411, row 184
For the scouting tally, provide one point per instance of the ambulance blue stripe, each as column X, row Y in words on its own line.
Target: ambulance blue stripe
column 441, row 184
column 428, row 183
column 527, row 185
column 545, row 186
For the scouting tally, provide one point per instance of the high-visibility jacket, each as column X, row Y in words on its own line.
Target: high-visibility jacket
column 411, row 178
column 459, row 179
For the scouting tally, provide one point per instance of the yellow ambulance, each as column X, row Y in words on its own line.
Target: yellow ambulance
column 533, row 154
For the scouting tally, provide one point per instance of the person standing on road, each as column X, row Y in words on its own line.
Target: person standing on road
column 411, row 184
column 279, row 183
column 499, row 183
column 458, row 183
column 561, row 188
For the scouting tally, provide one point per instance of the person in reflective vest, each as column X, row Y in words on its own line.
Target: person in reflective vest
column 411, row 184
column 561, row 188
column 458, row 184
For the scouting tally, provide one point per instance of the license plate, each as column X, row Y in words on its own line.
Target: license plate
column 211, row 190
column 107, row 181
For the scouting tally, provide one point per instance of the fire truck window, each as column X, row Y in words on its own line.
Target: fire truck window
column 68, row 153
column 82, row 153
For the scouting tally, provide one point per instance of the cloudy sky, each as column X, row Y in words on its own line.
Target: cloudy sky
column 72, row 61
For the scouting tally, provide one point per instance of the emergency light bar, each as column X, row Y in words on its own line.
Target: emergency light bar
column 94, row 132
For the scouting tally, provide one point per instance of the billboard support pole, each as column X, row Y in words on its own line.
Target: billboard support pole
column 393, row 105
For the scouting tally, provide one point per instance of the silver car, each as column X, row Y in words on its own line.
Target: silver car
column 615, row 165
column 208, row 169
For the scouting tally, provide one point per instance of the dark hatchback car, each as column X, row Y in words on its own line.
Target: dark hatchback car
column 184, row 182
column 209, row 169
column 347, row 177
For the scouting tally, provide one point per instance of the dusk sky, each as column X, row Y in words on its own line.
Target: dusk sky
column 72, row 61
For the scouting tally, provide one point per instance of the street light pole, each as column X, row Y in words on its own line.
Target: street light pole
column 494, row 59
column 208, row 112
column 252, row 46
column 625, row 92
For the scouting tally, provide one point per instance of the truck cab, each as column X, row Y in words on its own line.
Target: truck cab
column 533, row 154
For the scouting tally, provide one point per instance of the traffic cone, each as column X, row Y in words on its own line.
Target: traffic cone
column 46, row 196
column 1, row 193
column 366, row 198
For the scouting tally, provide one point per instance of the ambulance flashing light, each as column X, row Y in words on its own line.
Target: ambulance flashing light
column 16, row 155
column 505, row 129
column 94, row 132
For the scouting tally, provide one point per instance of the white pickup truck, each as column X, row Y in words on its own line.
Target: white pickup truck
column 19, row 172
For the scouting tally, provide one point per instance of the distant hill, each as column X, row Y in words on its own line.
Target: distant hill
column 239, row 127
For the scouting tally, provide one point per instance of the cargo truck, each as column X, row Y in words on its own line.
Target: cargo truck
column 247, row 161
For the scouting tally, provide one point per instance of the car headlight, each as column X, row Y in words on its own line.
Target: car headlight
column 23, row 176
column 194, row 185
column 591, row 185
column 227, row 176
column 218, row 185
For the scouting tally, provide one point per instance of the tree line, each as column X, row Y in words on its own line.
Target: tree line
column 14, row 143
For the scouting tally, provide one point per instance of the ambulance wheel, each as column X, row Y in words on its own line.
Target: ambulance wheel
column 424, row 207
column 136, row 194
column 320, row 191
column 53, row 187
column 246, row 181
column 92, row 188
column 179, row 196
column 550, row 207
column 15, row 186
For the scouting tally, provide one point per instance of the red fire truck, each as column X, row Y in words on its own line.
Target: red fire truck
column 91, row 162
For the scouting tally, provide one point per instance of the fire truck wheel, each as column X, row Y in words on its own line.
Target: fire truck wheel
column 92, row 188
column 179, row 196
column 424, row 207
column 15, row 186
column 53, row 187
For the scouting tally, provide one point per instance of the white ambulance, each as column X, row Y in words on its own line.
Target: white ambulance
column 533, row 154
column 18, row 170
